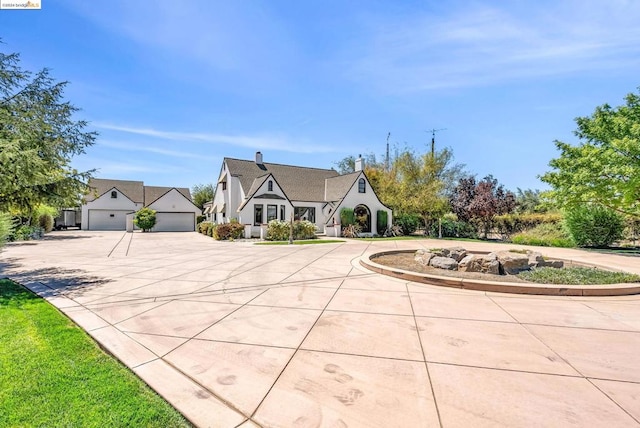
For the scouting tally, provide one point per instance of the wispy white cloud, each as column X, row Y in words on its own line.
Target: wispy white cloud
column 280, row 143
column 482, row 45
column 108, row 168
column 157, row 150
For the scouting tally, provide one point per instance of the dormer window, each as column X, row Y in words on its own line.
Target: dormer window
column 270, row 186
column 362, row 186
column 114, row 194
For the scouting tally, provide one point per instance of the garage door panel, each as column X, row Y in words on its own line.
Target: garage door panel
column 108, row 219
column 174, row 222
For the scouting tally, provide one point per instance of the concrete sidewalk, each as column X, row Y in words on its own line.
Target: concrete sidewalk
column 239, row 335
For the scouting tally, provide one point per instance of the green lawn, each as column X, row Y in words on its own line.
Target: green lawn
column 302, row 242
column 53, row 374
column 577, row 276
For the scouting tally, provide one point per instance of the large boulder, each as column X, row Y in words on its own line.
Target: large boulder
column 444, row 263
column 477, row 263
column 456, row 253
column 423, row 257
column 512, row 263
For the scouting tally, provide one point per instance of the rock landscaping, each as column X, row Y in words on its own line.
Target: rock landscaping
column 496, row 263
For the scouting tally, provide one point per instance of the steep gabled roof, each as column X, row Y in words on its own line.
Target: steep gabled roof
column 337, row 187
column 298, row 183
column 133, row 190
column 257, row 182
column 153, row 193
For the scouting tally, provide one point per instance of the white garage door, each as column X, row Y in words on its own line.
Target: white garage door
column 174, row 222
column 108, row 219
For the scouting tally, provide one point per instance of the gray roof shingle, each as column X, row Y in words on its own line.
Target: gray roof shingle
column 133, row 190
column 337, row 187
column 298, row 183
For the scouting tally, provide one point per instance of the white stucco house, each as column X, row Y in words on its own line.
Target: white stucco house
column 255, row 192
column 110, row 201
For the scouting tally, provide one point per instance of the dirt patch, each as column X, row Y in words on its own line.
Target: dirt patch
column 405, row 261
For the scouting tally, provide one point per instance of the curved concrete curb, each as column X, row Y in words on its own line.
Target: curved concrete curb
column 497, row 286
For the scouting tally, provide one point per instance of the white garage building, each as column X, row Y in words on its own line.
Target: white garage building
column 107, row 205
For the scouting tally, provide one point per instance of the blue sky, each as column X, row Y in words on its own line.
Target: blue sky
column 174, row 86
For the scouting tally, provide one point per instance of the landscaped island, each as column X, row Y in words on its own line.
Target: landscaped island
column 501, row 266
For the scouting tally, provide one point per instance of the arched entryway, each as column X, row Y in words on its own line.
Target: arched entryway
column 363, row 218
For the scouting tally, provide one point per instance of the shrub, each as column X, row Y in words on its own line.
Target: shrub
column 145, row 219
column 278, row 230
column 41, row 210
column 347, row 216
column 381, row 221
column 545, row 235
column 45, row 221
column 408, row 222
column 304, row 230
column 228, row 231
column 351, row 231
column 27, row 233
column 632, row 229
column 6, row 227
column 200, row 219
column 452, row 228
column 594, row 226
column 509, row 224
column 212, row 230
column 394, row 230
column 204, row 227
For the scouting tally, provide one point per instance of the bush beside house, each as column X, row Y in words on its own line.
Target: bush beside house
column 145, row 219
column 228, row 231
column 278, row 230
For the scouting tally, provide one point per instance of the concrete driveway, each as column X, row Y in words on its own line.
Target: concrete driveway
column 239, row 335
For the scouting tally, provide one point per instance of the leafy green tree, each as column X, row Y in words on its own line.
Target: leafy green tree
column 6, row 227
column 604, row 168
column 530, row 201
column 38, row 139
column 419, row 184
column 414, row 183
column 202, row 193
column 347, row 165
column 145, row 219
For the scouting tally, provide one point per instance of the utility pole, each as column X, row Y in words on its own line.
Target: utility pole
column 386, row 160
column 433, row 157
column 433, row 139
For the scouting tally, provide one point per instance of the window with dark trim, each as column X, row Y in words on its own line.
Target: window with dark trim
column 305, row 213
column 272, row 212
column 270, row 186
column 257, row 215
column 224, row 185
column 362, row 186
column 282, row 212
column 114, row 194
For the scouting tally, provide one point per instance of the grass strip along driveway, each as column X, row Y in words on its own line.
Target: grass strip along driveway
column 53, row 374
